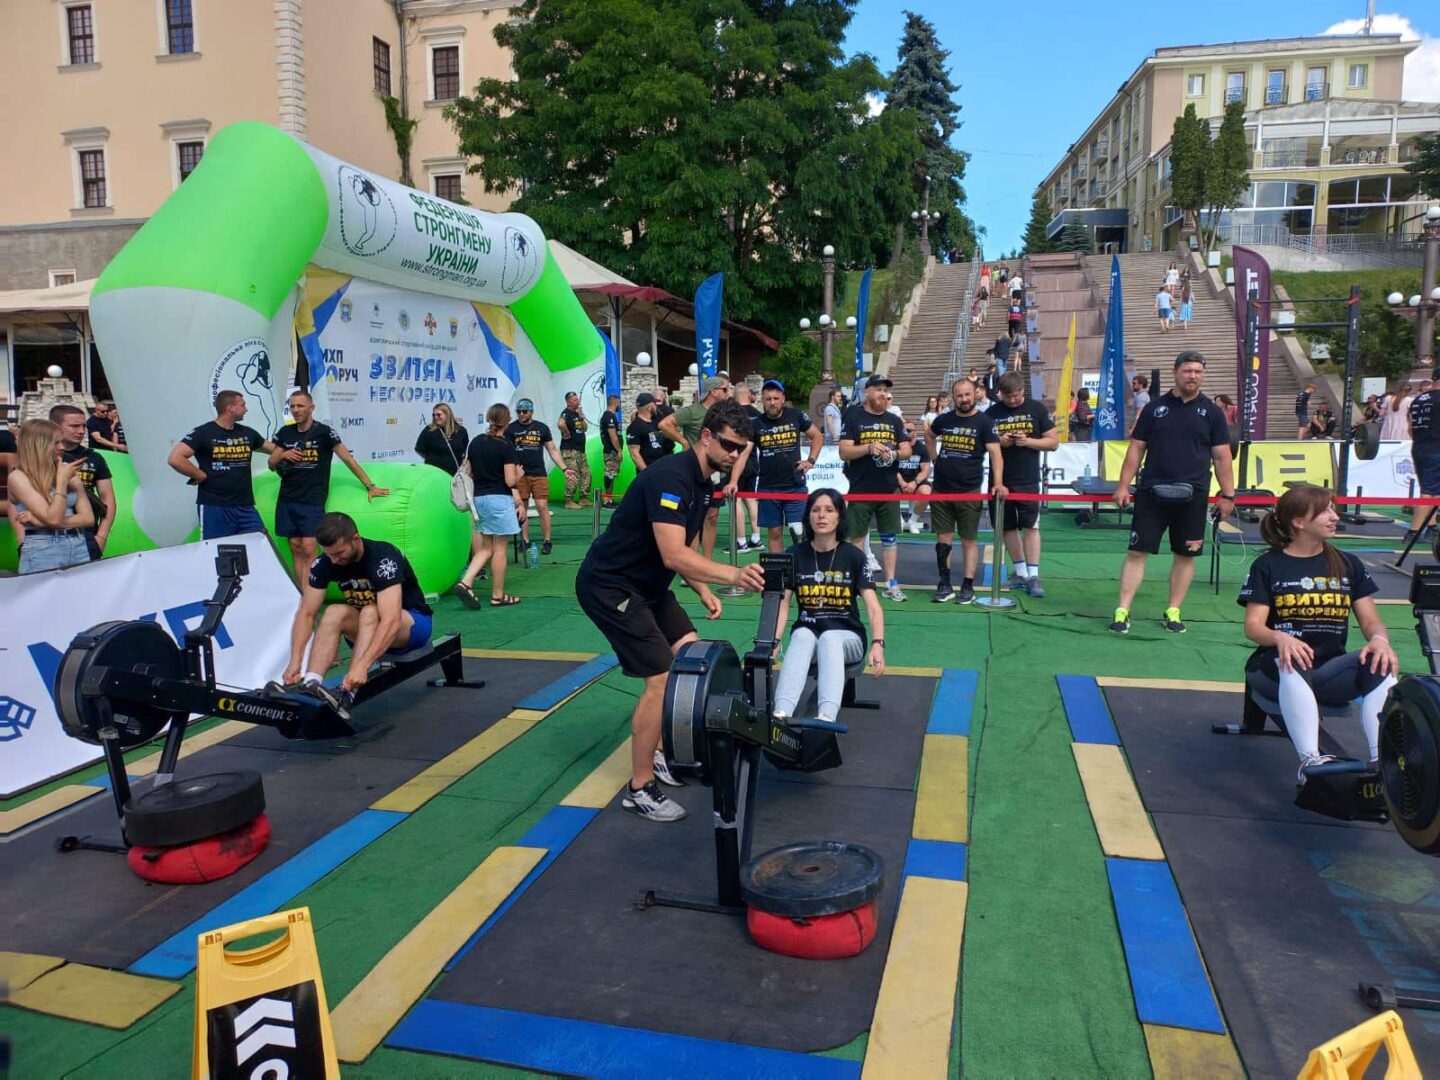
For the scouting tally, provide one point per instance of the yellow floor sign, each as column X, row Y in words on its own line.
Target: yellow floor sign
column 1270, row 465
column 261, row 1012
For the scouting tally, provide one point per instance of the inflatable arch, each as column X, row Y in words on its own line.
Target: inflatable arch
column 205, row 293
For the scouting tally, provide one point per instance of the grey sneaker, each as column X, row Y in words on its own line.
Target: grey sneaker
column 943, row 593
column 967, row 594
column 652, row 803
column 1034, row 588
column 893, row 593
column 1309, row 760
column 1015, row 581
column 339, row 700
column 663, row 773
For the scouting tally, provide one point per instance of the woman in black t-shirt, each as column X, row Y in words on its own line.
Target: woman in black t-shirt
column 442, row 442
column 1298, row 599
column 830, row 578
column 494, row 466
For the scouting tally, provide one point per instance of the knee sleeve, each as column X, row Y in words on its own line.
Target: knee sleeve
column 942, row 557
column 887, row 541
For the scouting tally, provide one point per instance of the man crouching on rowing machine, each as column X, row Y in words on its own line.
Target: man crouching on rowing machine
column 384, row 611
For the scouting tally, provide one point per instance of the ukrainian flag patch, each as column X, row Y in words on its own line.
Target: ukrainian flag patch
column 669, row 501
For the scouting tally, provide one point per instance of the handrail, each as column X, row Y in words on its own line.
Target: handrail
column 962, row 321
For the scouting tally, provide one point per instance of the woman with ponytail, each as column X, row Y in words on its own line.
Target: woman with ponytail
column 1298, row 600
column 494, row 466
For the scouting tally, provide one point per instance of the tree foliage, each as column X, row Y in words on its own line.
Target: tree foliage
column 669, row 141
column 1189, row 154
column 1426, row 166
column 1075, row 237
column 1227, row 165
column 1205, row 173
column 1035, row 240
column 798, row 363
column 921, row 84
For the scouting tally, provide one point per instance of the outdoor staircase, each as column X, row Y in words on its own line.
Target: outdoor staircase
column 925, row 353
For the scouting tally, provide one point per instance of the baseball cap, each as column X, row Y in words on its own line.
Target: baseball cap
column 642, row 400
column 1190, row 356
column 877, row 380
column 526, row 404
column 714, row 382
column 773, row 384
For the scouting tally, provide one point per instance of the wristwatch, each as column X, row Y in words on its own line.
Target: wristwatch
column 1222, row 495
column 877, row 641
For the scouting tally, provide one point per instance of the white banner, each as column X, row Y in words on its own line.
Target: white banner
column 829, row 472
column 1389, row 474
column 44, row 612
column 1068, row 462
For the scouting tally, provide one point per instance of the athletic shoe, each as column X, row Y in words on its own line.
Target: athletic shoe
column 967, row 594
column 916, row 526
column 1034, row 588
column 893, row 592
column 662, row 770
column 873, row 566
column 275, row 688
column 572, row 505
column 1015, row 581
column 1172, row 622
column 1311, row 759
column 652, row 803
column 943, row 593
column 339, row 700
column 1121, row 625
column 545, row 548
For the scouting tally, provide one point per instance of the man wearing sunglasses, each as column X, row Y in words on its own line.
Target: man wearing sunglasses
column 532, row 442
column 683, row 426
column 624, row 585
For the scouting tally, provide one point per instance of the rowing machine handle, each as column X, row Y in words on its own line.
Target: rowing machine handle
column 819, row 725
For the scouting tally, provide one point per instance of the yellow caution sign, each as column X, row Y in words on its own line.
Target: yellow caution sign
column 261, row 1012
column 1349, row 1054
column 1274, row 466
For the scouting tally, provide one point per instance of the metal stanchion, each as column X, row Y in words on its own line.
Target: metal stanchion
column 733, row 590
column 996, row 601
column 595, row 528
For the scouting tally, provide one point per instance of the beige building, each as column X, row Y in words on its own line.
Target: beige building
column 1328, row 133
column 106, row 105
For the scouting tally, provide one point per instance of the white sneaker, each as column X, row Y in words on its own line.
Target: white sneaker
column 1309, row 760
column 652, row 803
column 662, row 770
column 893, row 593
column 873, row 566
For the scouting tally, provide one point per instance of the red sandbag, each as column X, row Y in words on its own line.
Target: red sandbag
column 205, row 860
column 823, row 937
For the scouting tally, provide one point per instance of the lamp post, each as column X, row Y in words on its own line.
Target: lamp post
column 1423, row 306
column 925, row 217
column 826, row 322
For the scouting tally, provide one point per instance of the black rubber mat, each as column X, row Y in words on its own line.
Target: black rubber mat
column 88, row 907
column 1291, row 909
column 574, row 945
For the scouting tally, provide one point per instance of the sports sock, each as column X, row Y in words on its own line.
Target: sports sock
column 1022, row 568
column 754, row 538
column 968, row 583
column 310, row 676
column 1370, row 706
column 892, row 583
column 1302, row 714
column 1034, row 569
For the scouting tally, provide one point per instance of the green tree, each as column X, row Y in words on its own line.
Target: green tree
column 797, row 365
column 1189, row 164
column 1035, row 240
column 921, row 84
column 1075, row 237
column 1426, row 166
column 672, row 140
column 1227, row 167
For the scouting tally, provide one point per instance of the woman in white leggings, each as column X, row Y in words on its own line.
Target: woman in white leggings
column 830, row 579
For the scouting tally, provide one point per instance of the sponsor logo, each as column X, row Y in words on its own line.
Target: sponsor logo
column 376, row 320
column 454, row 327
column 474, row 330
column 522, row 262
column 404, row 319
column 388, row 568
column 367, row 216
column 430, row 323
column 347, row 310
column 245, row 367
column 1162, row 411
column 236, row 707
column 352, row 421
column 15, row 718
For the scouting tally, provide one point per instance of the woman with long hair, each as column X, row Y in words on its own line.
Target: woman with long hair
column 442, row 442
column 1082, row 418
column 48, row 501
column 1396, row 424
column 494, row 466
column 1187, row 306
column 1298, row 600
column 830, row 579
column 932, row 410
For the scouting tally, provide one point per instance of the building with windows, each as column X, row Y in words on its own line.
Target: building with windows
column 1327, row 128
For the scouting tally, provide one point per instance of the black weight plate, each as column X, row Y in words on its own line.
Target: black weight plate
column 701, row 672
column 810, row 879
column 1410, row 760
column 1367, row 441
column 125, row 645
column 193, row 808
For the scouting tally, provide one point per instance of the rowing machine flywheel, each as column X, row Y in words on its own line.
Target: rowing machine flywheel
column 142, row 647
column 702, row 673
column 1410, row 760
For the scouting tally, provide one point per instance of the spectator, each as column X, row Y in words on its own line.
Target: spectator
column 117, row 431
column 1140, row 387
column 494, row 466
column 93, row 471
column 573, row 426
column 932, row 410
column 643, row 437
column 1014, row 319
column 612, row 442
column 982, row 398
column 100, row 428
column 1229, row 408
column 48, row 501
column 1322, row 424
column 216, row 457
column 1186, row 307
column 442, row 442
column 1302, row 409
column 1172, row 278
column 1396, row 425
column 830, row 417
column 533, row 444
column 1017, row 289
column 1163, row 310
column 1082, row 421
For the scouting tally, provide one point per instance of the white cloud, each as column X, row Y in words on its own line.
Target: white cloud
column 1422, row 67
column 876, row 104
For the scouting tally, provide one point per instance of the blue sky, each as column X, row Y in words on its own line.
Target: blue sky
column 1033, row 73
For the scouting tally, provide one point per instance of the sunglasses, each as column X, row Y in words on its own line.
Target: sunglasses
column 730, row 445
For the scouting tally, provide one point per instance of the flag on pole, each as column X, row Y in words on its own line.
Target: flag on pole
column 1110, row 401
column 861, row 310
column 1062, row 394
column 707, row 323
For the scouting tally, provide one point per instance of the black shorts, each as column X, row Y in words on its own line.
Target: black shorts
column 641, row 633
column 1022, row 514
column 1184, row 521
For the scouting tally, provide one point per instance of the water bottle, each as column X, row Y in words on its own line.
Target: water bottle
column 532, row 556
column 1086, row 481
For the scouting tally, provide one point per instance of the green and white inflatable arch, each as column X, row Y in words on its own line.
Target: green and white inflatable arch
column 205, row 291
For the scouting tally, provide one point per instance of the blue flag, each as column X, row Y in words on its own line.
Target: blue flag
column 707, row 323
column 862, row 308
column 1110, row 403
column 612, row 366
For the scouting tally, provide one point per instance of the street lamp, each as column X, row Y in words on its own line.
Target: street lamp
column 642, row 359
column 828, row 329
column 924, row 216
column 1424, row 305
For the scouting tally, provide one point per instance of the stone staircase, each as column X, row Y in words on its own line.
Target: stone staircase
column 924, row 355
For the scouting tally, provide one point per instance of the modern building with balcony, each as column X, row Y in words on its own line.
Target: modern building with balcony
column 1327, row 128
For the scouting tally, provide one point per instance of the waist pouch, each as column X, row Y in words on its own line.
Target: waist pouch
column 1173, row 493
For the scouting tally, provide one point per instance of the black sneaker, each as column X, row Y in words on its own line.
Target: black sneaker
column 943, row 593
column 652, row 803
column 1121, row 624
column 339, row 700
column 545, row 548
column 1171, row 621
column 967, row 594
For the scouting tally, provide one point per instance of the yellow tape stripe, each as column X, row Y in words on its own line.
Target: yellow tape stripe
column 424, row 786
column 1120, row 819
column 112, row 999
column 1170, row 684
column 19, row 969
column 914, row 1014
column 1180, row 1054
column 52, row 802
column 597, row 789
column 527, row 654
column 941, row 801
column 382, row 997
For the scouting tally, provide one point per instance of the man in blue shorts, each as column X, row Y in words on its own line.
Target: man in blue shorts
column 778, row 430
column 384, row 610
column 215, row 457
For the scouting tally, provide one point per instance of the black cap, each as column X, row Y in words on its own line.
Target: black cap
column 645, row 399
column 1190, row 356
column 877, row 380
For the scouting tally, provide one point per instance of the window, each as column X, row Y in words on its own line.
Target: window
column 445, row 62
column 1195, row 86
column 1234, row 86
column 92, row 178
column 381, row 56
column 1275, row 87
column 1316, row 88
column 81, row 24
column 179, row 27
column 188, row 154
column 62, row 277
column 448, row 187
column 1359, row 76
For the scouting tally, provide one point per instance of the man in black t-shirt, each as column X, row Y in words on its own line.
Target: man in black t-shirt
column 915, row 476
column 961, row 441
column 216, row 457
column 1181, row 435
column 573, row 427
column 302, row 456
column 643, row 437
column 1302, row 409
column 872, row 442
column 612, row 443
column 1025, row 429
column 776, row 451
column 1424, row 424
column 533, row 443
column 100, row 427
column 94, row 473
column 624, row 585
column 384, row 611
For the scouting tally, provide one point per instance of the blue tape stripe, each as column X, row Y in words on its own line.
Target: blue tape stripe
column 935, row 859
column 1166, row 972
column 553, row 832
column 954, row 703
column 176, row 956
column 582, row 1048
column 550, row 696
column 1086, row 710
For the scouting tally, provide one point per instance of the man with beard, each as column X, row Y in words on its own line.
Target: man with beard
column 533, row 443
column 872, row 442
column 643, row 437
column 960, row 440
column 624, row 585
column 778, row 428
column 1025, row 429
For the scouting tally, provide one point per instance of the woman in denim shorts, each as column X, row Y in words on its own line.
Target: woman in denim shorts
column 49, row 501
column 494, row 466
